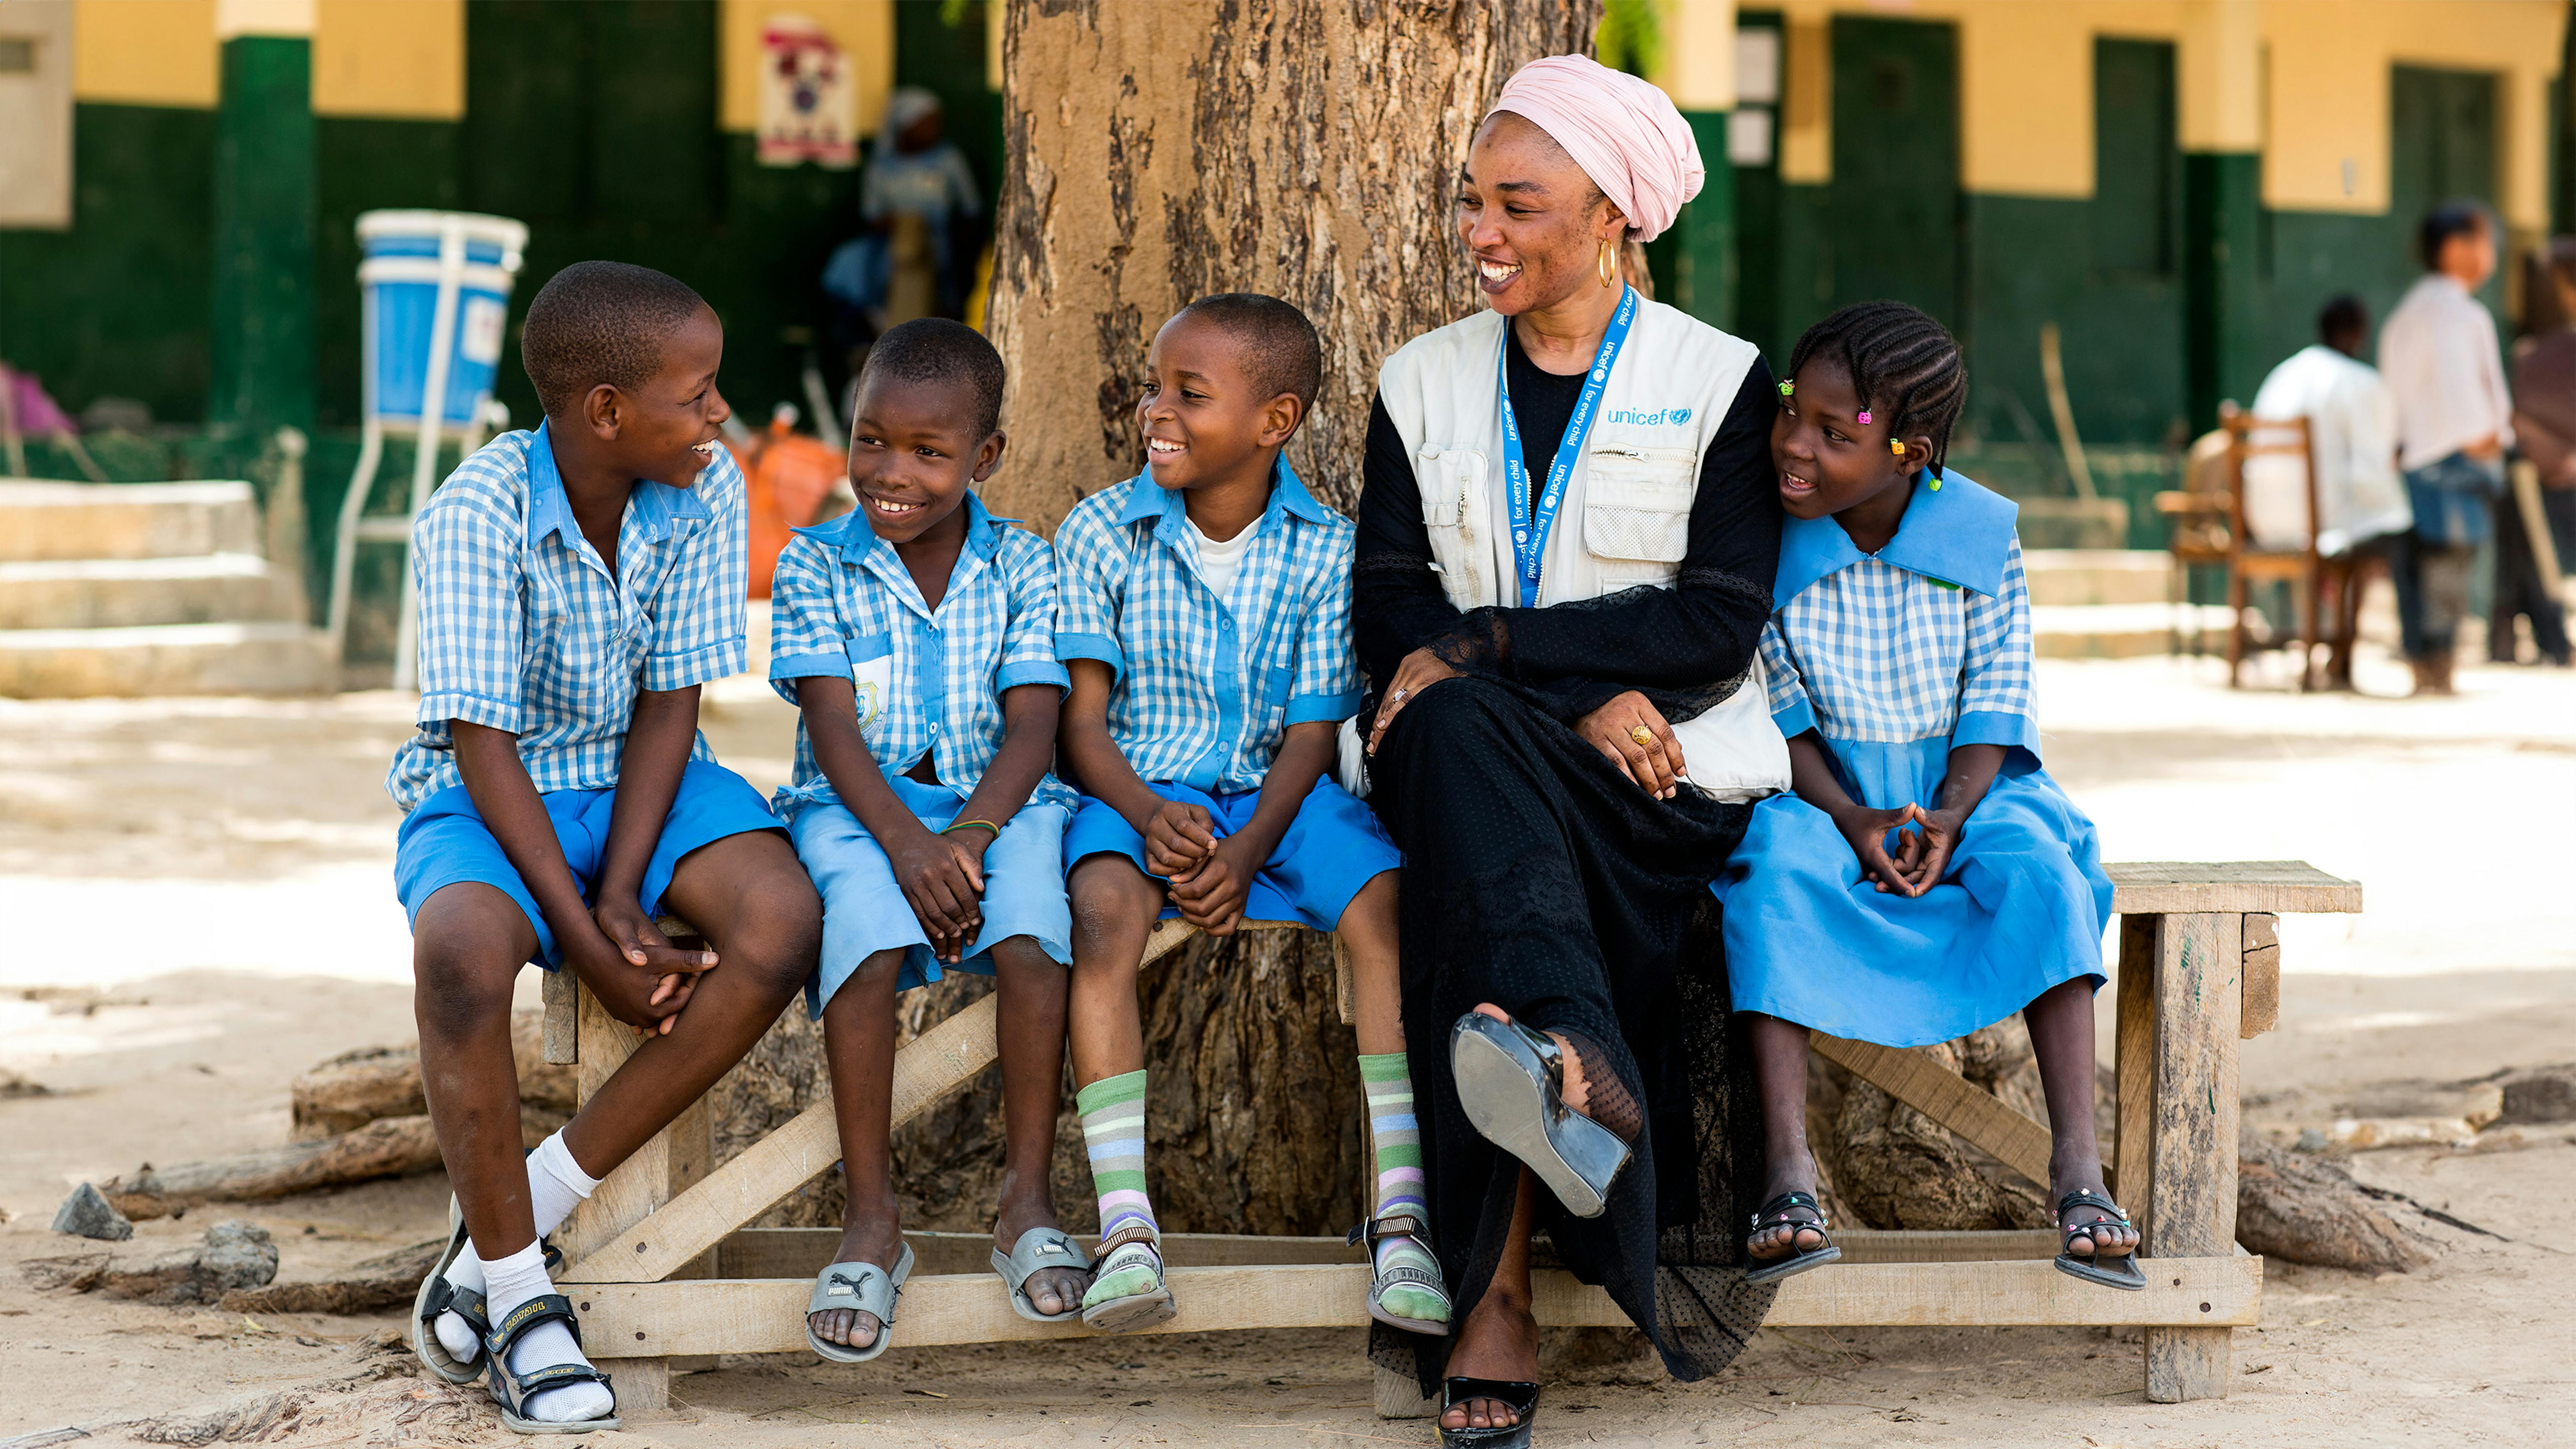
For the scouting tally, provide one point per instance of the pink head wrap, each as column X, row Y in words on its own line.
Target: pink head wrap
column 1624, row 132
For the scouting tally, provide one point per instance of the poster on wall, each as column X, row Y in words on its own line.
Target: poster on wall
column 808, row 97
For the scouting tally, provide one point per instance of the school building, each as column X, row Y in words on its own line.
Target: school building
column 2173, row 186
column 2177, row 185
column 193, row 249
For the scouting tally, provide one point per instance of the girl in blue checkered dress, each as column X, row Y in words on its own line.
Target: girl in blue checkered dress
column 1925, row 877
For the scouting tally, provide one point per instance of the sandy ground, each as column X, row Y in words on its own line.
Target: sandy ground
column 198, row 906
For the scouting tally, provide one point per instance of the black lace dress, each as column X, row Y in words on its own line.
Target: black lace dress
column 1539, row 878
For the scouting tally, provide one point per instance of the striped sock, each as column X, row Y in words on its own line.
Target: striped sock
column 1395, row 1140
column 1113, row 1130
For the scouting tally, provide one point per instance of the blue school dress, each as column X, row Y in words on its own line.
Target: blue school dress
column 1894, row 659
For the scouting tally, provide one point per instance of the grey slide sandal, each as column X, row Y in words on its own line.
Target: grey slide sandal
column 865, row 1288
column 1038, row 1250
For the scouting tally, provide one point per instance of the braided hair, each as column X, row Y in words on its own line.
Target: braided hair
column 1899, row 358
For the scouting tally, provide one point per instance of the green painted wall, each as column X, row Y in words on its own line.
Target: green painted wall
column 117, row 306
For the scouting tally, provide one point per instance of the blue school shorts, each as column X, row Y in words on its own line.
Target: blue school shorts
column 864, row 911
column 445, row 842
column 1333, row 848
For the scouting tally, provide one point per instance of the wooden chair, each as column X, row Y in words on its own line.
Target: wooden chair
column 2209, row 529
column 663, row 1271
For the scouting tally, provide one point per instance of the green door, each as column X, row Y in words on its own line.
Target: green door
column 2442, row 147
column 2442, row 139
column 1895, row 194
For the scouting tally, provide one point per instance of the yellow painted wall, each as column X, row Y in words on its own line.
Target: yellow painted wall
column 1699, row 53
column 402, row 58
column 2314, row 95
column 864, row 28
column 370, row 57
column 2320, row 117
column 144, row 52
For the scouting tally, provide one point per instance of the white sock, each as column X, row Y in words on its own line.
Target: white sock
column 556, row 1186
column 518, row 1279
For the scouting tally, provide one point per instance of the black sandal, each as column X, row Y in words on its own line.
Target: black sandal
column 1511, row 1081
column 512, row 1390
column 1520, row 1398
column 2091, row 1268
column 1775, row 1214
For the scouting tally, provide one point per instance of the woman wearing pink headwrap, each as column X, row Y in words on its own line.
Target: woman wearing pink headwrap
column 1568, row 531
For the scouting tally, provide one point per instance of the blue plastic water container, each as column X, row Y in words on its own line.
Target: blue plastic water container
column 406, row 255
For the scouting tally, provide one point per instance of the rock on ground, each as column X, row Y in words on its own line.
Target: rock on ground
column 87, row 1214
column 232, row 1255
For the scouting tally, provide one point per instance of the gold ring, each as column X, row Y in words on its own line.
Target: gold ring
column 1642, row 735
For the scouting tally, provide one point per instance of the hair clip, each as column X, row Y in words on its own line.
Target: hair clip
column 1788, row 385
column 1896, row 447
column 1864, row 417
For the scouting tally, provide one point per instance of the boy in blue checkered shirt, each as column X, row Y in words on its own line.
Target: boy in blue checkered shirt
column 1204, row 614
column 577, row 585
column 916, row 635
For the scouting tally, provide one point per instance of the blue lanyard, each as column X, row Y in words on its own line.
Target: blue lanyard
column 1529, row 533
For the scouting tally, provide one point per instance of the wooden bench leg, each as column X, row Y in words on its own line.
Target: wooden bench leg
column 676, row 1157
column 2198, row 982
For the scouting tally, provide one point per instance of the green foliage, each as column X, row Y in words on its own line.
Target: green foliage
column 1630, row 37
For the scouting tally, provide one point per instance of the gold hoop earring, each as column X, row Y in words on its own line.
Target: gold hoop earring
column 1608, row 265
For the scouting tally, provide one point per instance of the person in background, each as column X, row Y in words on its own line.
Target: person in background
column 2361, row 509
column 2445, row 373
column 917, row 200
column 2544, row 427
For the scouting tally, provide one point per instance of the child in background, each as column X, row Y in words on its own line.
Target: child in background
column 1205, row 616
column 916, row 635
column 1925, row 878
column 577, row 585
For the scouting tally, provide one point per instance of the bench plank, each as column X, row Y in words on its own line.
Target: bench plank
column 1920, row 1080
column 936, row 1063
column 627, row 1320
column 2279, row 887
column 804, row 1252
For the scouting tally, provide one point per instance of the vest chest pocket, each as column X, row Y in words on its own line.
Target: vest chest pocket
column 1454, row 512
column 1636, row 510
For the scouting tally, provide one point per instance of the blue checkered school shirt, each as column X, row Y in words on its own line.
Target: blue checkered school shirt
column 844, row 605
column 522, row 629
column 1206, row 686
column 1929, row 637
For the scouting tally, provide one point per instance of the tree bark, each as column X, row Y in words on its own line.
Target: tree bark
column 1304, row 148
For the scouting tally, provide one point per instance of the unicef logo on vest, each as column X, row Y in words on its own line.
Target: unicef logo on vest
column 1663, row 418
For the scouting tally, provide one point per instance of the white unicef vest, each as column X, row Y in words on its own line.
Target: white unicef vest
column 1625, row 520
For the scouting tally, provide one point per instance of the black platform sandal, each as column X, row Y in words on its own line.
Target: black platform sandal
column 1520, row 1398
column 2092, row 1268
column 1775, row 1214
column 512, row 1390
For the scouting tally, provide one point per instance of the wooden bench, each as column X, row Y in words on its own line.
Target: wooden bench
column 662, row 1268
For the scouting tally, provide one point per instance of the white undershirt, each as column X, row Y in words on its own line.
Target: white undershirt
column 1218, row 562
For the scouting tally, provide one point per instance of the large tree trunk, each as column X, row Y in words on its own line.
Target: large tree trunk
column 1160, row 152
